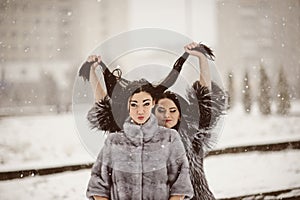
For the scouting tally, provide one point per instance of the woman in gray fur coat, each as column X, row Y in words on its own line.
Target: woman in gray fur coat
column 144, row 160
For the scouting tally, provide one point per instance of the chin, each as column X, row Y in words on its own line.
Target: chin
column 138, row 121
column 168, row 126
column 161, row 123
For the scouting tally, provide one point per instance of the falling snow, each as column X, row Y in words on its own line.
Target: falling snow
column 49, row 140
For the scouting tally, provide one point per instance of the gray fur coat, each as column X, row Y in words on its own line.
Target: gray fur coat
column 141, row 162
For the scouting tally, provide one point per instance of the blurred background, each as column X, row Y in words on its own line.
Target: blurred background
column 43, row 43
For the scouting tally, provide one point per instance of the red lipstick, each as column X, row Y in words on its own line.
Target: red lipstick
column 141, row 117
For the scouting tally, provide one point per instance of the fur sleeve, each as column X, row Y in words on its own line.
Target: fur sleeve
column 208, row 106
column 101, row 116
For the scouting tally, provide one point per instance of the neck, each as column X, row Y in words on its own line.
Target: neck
column 135, row 132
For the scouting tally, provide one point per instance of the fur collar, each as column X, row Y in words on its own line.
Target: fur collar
column 144, row 132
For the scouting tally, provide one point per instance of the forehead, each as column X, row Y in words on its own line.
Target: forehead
column 167, row 103
column 140, row 96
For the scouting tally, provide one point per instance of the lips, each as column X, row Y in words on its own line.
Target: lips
column 168, row 120
column 141, row 117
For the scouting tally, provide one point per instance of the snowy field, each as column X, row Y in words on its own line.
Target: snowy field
column 52, row 140
column 228, row 176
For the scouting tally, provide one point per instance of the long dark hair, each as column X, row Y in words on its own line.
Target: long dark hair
column 138, row 86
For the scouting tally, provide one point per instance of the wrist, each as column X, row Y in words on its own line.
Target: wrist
column 200, row 56
column 94, row 66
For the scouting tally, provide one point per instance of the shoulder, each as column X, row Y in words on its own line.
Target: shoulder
column 114, row 137
column 197, row 91
column 171, row 134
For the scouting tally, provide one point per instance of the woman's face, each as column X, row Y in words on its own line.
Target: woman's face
column 140, row 106
column 167, row 113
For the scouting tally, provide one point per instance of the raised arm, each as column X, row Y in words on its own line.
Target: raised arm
column 173, row 75
column 204, row 78
column 207, row 102
column 99, row 92
column 112, row 82
column 195, row 49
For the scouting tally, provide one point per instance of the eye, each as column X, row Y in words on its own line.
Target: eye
column 161, row 110
column 173, row 110
column 133, row 105
column 146, row 104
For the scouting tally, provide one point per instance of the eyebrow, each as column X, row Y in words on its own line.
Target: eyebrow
column 134, row 101
column 161, row 106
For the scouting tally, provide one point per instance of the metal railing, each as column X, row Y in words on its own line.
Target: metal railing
column 8, row 175
column 286, row 194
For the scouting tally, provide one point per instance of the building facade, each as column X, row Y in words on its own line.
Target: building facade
column 259, row 33
column 53, row 37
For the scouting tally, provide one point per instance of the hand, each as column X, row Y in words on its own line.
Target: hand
column 95, row 60
column 188, row 48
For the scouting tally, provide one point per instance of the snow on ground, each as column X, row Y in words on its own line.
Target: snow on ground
column 34, row 141
column 244, row 129
column 228, row 176
column 52, row 140
column 63, row 186
column 241, row 174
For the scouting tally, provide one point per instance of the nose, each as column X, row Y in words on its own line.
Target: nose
column 140, row 110
column 167, row 114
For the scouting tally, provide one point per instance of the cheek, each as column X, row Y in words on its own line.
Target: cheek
column 175, row 116
column 149, row 111
column 131, row 113
column 158, row 115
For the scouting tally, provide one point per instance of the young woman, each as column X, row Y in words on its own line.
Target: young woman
column 196, row 141
column 144, row 160
column 194, row 120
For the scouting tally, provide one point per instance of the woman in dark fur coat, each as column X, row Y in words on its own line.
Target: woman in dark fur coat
column 194, row 120
column 197, row 116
